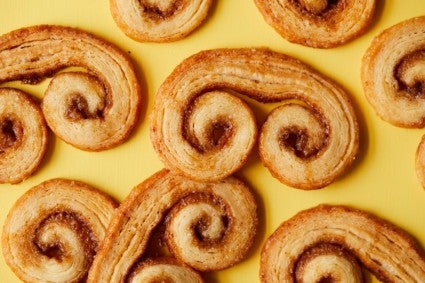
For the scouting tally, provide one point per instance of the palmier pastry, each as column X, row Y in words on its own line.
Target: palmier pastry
column 159, row 21
column 393, row 76
column 202, row 130
column 92, row 110
column 318, row 23
column 23, row 135
column 53, row 231
column 327, row 243
column 209, row 226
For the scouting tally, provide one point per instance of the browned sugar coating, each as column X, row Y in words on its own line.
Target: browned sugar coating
column 389, row 252
column 201, row 129
column 318, row 23
column 53, row 231
column 159, row 21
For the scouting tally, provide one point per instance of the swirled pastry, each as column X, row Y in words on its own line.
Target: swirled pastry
column 318, row 23
column 209, row 226
column 393, row 74
column 319, row 244
column 53, row 231
column 93, row 110
column 163, row 270
column 159, row 21
column 23, row 135
column 201, row 129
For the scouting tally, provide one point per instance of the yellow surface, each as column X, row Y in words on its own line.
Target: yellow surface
column 382, row 181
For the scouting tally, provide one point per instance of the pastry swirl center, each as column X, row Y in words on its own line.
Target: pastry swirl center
column 10, row 134
column 161, row 9
column 78, row 109
column 410, row 74
column 316, row 7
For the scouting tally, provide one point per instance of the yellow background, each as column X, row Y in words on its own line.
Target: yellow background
column 382, row 180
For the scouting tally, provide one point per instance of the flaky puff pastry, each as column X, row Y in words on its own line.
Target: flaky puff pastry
column 393, row 77
column 327, row 243
column 23, row 135
column 318, row 23
column 93, row 110
column 202, row 129
column 209, row 226
column 159, row 21
column 53, row 231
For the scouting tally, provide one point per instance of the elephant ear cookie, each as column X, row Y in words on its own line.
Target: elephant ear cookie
column 94, row 109
column 23, row 135
column 159, row 21
column 53, row 231
column 328, row 243
column 318, row 23
column 202, row 128
column 207, row 227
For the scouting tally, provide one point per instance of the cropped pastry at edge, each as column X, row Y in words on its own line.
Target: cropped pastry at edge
column 159, row 21
column 208, row 226
column 393, row 79
column 200, row 128
column 53, row 231
column 318, row 23
column 94, row 109
column 328, row 243
column 23, row 135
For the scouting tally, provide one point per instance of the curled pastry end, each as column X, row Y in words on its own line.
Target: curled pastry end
column 342, row 237
column 159, row 21
column 23, row 135
column 53, row 231
column 393, row 74
column 164, row 270
column 318, row 23
column 94, row 110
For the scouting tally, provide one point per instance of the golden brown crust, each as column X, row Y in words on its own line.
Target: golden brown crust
column 231, row 220
column 33, row 53
column 318, row 23
column 297, row 155
column 163, row 269
column 420, row 162
column 23, row 135
column 392, row 75
column 386, row 250
column 52, row 232
column 160, row 21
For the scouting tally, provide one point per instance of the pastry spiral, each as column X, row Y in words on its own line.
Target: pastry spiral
column 53, row 231
column 163, row 270
column 159, row 21
column 209, row 226
column 23, row 135
column 329, row 237
column 393, row 76
column 318, row 23
column 202, row 130
column 93, row 110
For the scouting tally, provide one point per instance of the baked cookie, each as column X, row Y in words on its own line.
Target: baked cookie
column 327, row 243
column 23, row 135
column 53, row 231
column 93, row 110
column 209, row 226
column 202, row 129
column 159, row 21
column 318, row 23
